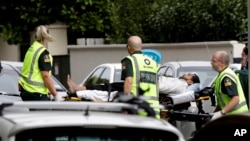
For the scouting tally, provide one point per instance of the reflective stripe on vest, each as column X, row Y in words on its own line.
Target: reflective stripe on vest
column 28, row 79
column 151, row 98
column 31, row 79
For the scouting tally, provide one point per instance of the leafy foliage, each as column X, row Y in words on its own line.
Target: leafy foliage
column 180, row 20
column 153, row 20
column 18, row 18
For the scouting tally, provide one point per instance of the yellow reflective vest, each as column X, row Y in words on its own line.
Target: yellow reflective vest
column 223, row 99
column 145, row 78
column 31, row 78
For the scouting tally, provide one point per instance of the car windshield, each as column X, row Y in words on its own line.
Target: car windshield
column 89, row 133
column 206, row 74
column 9, row 81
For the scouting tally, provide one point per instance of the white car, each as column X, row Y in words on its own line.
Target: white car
column 178, row 68
column 9, row 84
column 104, row 73
column 12, row 70
column 81, row 121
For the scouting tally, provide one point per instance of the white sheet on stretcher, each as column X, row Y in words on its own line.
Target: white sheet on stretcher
column 170, row 85
column 182, row 98
column 95, row 95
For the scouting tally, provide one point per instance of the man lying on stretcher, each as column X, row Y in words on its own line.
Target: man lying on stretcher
column 106, row 92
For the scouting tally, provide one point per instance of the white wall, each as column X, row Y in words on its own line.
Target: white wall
column 9, row 52
column 59, row 46
column 83, row 58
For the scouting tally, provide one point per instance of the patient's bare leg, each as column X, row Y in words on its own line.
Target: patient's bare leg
column 73, row 87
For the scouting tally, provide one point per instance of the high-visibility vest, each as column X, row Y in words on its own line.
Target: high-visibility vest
column 145, row 78
column 31, row 78
column 223, row 99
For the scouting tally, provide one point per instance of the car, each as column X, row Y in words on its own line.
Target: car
column 10, row 77
column 9, row 84
column 81, row 121
column 103, row 73
column 178, row 68
column 235, row 66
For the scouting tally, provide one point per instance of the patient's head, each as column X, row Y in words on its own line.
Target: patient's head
column 190, row 78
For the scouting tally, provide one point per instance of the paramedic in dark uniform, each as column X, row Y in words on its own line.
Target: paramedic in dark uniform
column 35, row 82
column 139, row 73
column 229, row 93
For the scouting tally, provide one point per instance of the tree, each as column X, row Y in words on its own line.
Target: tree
column 154, row 20
column 83, row 17
column 180, row 20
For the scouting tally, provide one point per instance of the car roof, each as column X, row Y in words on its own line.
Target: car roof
column 115, row 65
column 188, row 63
column 13, row 63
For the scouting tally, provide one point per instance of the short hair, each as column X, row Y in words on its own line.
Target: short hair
column 135, row 42
column 223, row 56
column 195, row 78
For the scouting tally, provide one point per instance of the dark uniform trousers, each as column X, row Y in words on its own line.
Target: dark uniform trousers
column 27, row 96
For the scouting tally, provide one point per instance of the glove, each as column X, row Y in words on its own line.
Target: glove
column 216, row 115
column 58, row 98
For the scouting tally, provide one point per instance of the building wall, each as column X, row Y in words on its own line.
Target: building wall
column 84, row 58
column 9, row 52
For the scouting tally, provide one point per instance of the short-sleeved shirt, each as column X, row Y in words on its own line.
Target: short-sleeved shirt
column 44, row 61
column 127, row 68
column 229, row 87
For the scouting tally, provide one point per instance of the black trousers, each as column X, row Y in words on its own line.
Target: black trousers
column 27, row 96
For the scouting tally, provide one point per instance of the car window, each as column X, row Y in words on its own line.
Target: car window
column 108, row 133
column 58, row 85
column 166, row 71
column 162, row 71
column 117, row 77
column 105, row 76
column 9, row 81
column 94, row 77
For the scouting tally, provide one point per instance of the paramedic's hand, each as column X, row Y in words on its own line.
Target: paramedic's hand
column 58, row 98
column 216, row 115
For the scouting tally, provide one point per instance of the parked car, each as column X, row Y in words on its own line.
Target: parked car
column 81, row 121
column 9, row 84
column 103, row 73
column 178, row 68
column 10, row 77
column 235, row 66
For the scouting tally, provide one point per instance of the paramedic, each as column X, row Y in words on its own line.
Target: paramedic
column 228, row 91
column 139, row 73
column 35, row 82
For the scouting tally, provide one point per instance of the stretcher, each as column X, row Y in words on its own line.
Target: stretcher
column 176, row 106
